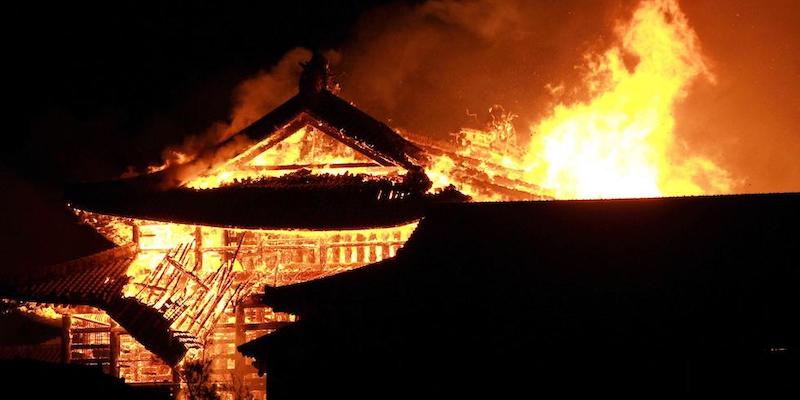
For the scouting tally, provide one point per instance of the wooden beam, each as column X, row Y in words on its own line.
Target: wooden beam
column 66, row 338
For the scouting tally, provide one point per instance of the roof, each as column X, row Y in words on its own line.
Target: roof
column 321, row 109
column 160, row 195
column 93, row 280
column 48, row 352
column 98, row 280
column 366, row 205
column 339, row 119
column 575, row 291
column 542, row 231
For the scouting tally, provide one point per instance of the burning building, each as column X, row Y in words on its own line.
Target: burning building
column 313, row 188
column 304, row 196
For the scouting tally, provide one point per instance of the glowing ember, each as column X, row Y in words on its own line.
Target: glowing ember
column 42, row 310
column 195, row 272
column 274, row 257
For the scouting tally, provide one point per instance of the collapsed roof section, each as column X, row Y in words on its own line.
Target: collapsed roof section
column 98, row 281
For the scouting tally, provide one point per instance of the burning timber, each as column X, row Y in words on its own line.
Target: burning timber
column 314, row 188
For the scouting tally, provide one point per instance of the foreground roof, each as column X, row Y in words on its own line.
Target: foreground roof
column 489, row 300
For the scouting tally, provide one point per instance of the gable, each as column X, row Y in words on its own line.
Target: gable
column 309, row 147
column 298, row 145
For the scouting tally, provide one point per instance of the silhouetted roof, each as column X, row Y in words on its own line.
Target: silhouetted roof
column 91, row 280
column 341, row 120
column 372, row 204
column 48, row 352
column 496, row 299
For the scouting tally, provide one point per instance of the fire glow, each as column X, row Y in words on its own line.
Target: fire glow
column 622, row 142
column 202, row 278
column 197, row 276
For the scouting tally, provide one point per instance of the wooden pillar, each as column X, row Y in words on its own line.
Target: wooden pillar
column 240, row 370
column 176, row 379
column 322, row 248
column 113, row 349
column 240, row 338
column 66, row 338
column 198, row 247
column 135, row 234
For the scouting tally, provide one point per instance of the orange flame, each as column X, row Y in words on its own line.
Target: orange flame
column 306, row 148
column 621, row 143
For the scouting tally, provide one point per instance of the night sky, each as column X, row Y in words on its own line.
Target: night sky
column 128, row 79
column 108, row 86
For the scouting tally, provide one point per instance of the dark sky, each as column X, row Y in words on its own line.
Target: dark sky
column 126, row 78
column 109, row 85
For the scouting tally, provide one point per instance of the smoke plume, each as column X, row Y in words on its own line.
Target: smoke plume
column 434, row 67
column 253, row 98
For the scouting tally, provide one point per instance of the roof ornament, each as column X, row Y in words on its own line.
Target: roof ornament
column 316, row 76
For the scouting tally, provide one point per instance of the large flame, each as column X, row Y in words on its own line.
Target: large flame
column 622, row 142
column 619, row 143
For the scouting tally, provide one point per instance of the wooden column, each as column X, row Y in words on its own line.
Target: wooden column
column 241, row 337
column 66, row 338
column 113, row 349
column 198, row 247
column 135, row 234
column 177, row 391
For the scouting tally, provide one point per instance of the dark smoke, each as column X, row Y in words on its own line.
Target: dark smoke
column 253, row 98
column 427, row 67
column 436, row 66
column 423, row 67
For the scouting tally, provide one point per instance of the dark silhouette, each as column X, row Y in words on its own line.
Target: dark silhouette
column 28, row 379
column 646, row 298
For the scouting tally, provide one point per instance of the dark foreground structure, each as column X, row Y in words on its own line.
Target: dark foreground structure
column 634, row 297
column 31, row 379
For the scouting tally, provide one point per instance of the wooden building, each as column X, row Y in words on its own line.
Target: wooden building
column 313, row 188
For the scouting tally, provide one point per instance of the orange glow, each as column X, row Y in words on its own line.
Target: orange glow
column 202, row 270
column 621, row 143
column 196, row 275
column 48, row 311
column 306, row 148
column 317, row 253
